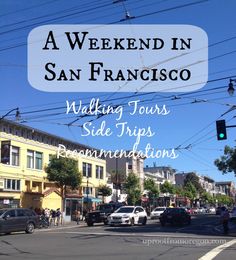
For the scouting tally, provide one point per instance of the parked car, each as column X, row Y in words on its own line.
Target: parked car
column 128, row 215
column 175, row 216
column 189, row 211
column 19, row 219
column 201, row 210
column 195, row 210
column 101, row 213
column 212, row 210
column 155, row 214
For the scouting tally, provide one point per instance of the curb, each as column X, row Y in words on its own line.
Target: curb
column 60, row 227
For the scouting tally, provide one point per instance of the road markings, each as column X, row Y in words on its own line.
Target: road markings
column 217, row 250
column 126, row 234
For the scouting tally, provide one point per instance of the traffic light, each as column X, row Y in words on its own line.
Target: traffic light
column 221, row 130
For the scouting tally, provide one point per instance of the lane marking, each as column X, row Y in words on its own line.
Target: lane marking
column 139, row 235
column 217, row 250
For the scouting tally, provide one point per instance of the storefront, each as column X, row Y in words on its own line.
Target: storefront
column 9, row 202
column 72, row 204
column 90, row 202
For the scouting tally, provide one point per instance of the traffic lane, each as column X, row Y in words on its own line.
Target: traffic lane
column 73, row 245
column 201, row 224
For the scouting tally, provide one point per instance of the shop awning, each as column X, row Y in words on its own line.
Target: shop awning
column 92, row 199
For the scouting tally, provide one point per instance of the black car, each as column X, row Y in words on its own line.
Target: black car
column 175, row 216
column 218, row 210
column 101, row 213
column 19, row 219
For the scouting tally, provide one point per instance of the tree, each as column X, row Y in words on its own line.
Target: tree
column 152, row 189
column 224, row 200
column 167, row 187
column 190, row 191
column 194, row 180
column 64, row 171
column 105, row 191
column 179, row 191
column 227, row 162
column 207, row 198
column 132, row 188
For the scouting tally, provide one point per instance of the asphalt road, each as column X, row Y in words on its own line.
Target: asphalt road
column 139, row 242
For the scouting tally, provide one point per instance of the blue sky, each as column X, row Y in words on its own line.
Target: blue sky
column 190, row 124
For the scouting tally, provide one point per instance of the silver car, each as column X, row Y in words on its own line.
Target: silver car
column 155, row 214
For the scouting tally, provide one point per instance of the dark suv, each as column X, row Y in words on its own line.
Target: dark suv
column 12, row 220
column 175, row 216
column 101, row 213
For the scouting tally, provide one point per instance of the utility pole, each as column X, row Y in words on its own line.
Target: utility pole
column 116, row 179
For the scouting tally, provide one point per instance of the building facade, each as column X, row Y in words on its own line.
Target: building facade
column 124, row 166
column 25, row 154
column 161, row 174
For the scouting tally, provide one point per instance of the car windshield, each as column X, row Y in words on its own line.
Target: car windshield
column 105, row 208
column 2, row 211
column 159, row 209
column 125, row 210
column 172, row 210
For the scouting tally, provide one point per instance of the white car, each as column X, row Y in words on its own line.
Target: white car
column 128, row 215
column 155, row 214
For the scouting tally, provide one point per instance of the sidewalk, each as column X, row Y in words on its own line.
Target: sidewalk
column 71, row 224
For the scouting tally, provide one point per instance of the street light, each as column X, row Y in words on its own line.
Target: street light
column 231, row 87
column 87, row 188
column 17, row 115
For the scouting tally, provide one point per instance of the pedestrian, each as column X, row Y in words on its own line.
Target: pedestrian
column 58, row 216
column 77, row 216
column 47, row 215
column 53, row 217
column 225, row 219
column 84, row 213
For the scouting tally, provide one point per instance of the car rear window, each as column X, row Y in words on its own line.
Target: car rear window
column 159, row 209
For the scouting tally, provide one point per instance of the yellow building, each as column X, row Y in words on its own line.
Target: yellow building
column 25, row 153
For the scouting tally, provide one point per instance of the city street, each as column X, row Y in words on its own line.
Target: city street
column 139, row 242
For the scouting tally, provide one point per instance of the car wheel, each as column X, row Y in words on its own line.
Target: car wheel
column 144, row 221
column 30, row 228
column 132, row 221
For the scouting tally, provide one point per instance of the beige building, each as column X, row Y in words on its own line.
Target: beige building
column 25, row 153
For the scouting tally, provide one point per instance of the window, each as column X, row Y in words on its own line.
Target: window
column 21, row 213
column 15, row 155
column 87, row 169
column 87, row 190
column 10, row 154
column 11, row 184
column 38, row 161
column 34, row 160
column 5, row 152
column 11, row 213
column 30, row 159
column 99, row 172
